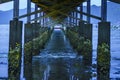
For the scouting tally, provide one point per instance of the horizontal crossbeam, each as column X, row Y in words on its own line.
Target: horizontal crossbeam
column 90, row 15
column 32, row 13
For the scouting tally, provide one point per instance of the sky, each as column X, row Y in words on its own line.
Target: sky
column 23, row 4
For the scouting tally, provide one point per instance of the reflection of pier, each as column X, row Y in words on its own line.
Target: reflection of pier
column 37, row 32
column 46, row 73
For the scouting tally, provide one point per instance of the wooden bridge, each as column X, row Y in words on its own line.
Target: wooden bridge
column 49, row 13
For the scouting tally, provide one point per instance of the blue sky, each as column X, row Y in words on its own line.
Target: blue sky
column 23, row 3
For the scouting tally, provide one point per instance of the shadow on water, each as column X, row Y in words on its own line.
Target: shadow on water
column 58, row 61
column 60, row 69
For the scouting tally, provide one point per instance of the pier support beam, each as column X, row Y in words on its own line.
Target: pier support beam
column 88, row 31
column 36, row 15
column 70, row 20
column 88, row 10
column 15, row 48
column 76, row 21
column 28, row 10
column 28, row 51
column 28, row 32
column 81, row 9
column 103, row 53
column 87, row 44
column 36, row 29
column 15, row 33
column 85, row 33
column 104, row 33
column 81, row 28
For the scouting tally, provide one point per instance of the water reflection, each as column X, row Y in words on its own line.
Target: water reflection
column 58, row 61
column 60, row 69
column 28, row 72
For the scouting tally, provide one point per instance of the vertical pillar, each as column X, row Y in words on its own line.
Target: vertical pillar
column 104, row 33
column 103, row 52
column 88, row 46
column 40, row 15
column 76, row 16
column 81, row 28
column 36, row 28
column 43, row 19
column 35, row 25
column 28, row 10
column 16, row 9
column 88, row 10
column 28, row 32
column 28, row 51
column 70, row 20
column 88, row 31
column 104, row 10
column 15, row 45
column 36, row 15
column 81, row 9
column 73, row 18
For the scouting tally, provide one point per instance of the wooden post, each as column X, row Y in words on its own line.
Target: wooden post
column 43, row 19
column 81, row 9
column 88, row 46
column 36, row 28
column 15, row 45
column 16, row 9
column 76, row 15
column 103, row 55
column 81, row 28
column 36, row 15
column 73, row 18
column 104, row 10
column 88, row 10
column 88, row 31
column 104, row 33
column 28, row 10
column 28, row 32
column 70, row 20
column 40, row 21
column 103, row 52
column 28, row 48
column 15, row 42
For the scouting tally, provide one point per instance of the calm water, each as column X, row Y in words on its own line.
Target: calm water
column 55, row 62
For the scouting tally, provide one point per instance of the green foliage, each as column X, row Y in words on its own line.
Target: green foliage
column 103, row 60
column 14, row 59
column 81, row 45
column 73, row 37
column 33, row 47
column 28, row 52
column 39, row 43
